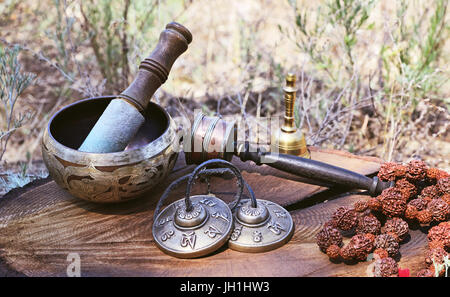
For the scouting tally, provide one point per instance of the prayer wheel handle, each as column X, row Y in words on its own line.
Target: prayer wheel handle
column 312, row 169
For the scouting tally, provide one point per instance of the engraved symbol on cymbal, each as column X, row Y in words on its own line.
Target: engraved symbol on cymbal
column 272, row 228
column 166, row 235
column 257, row 236
column 220, row 215
column 251, row 211
column 208, row 202
column 165, row 220
column 280, row 213
column 188, row 239
column 268, row 203
column 275, row 227
column 236, row 233
column 194, row 235
column 194, row 213
column 212, row 231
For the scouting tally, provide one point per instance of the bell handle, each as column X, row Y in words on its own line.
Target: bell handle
column 214, row 162
column 314, row 170
column 154, row 70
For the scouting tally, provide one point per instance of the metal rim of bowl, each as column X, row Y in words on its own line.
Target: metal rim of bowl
column 149, row 150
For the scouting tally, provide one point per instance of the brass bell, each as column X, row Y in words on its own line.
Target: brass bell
column 198, row 225
column 288, row 139
column 260, row 226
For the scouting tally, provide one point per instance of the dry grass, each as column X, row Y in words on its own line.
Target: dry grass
column 362, row 88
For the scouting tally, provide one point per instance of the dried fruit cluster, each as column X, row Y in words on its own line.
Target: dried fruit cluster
column 420, row 195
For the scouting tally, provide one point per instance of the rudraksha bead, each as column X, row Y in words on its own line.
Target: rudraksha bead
column 328, row 236
column 374, row 204
column 385, row 267
column 424, row 217
column 393, row 203
column 432, row 174
column 439, row 210
column 347, row 253
column 388, row 243
column 440, row 233
column 333, row 252
column 380, row 254
column 362, row 246
column 398, row 227
column 418, row 203
column 361, row 206
column 387, row 171
column 408, row 188
column 368, row 224
column 446, row 198
column 411, row 212
column 431, row 192
column 345, row 218
column 444, row 185
column 416, row 170
column 435, row 244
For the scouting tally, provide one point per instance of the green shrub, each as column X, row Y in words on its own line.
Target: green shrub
column 13, row 81
column 385, row 99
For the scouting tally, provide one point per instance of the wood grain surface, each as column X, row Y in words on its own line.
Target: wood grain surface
column 41, row 224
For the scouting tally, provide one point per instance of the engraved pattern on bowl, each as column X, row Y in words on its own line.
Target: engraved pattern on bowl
column 111, row 177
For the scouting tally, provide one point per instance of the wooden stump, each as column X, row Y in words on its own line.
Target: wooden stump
column 41, row 224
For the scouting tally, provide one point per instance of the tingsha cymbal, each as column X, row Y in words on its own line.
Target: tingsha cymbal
column 198, row 225
column 194, row 233
column 262, row 228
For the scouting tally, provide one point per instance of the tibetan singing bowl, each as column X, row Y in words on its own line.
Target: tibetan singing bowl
column 108, row 177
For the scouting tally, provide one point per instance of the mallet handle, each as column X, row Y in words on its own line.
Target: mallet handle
column 154, row 70
column 123, row 117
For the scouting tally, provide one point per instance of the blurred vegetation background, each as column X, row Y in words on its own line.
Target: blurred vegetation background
column 373, row 75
